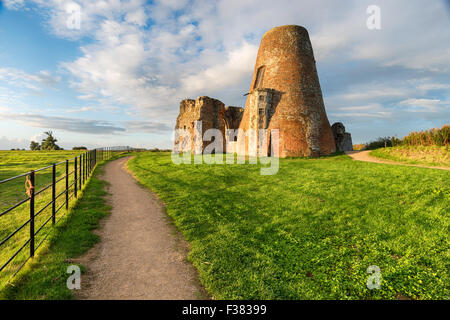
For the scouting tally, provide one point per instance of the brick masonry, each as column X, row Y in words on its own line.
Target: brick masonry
column 284, row 94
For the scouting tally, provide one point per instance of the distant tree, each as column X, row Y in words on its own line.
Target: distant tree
column 381, row 142
column 79, row 148
column 49, row 143
column 35, row 146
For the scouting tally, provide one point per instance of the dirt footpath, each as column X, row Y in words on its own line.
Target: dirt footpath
column 140, row 255
column 365, row 156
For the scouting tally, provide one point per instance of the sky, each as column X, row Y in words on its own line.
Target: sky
column 118, row 76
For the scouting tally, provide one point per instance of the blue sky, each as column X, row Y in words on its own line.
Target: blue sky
column 118, row 80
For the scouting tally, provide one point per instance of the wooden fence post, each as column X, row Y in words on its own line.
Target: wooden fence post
column 75, row 178
column 31, row 193
column 79, row 178
column 53, row 194
column 67, row 184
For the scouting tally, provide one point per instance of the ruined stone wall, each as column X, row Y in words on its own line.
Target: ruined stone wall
column 342, row 139
column 233, row 117
column 212, row 114
column 284, row 94
column 285, row 64
column 185, row 120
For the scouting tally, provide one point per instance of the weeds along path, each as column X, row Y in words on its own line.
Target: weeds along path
column 140, row 254
column 365, row 156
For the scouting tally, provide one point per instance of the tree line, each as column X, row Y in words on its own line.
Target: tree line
column 432, row 137
column 49, row 143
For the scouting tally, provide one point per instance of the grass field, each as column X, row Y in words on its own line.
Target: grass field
column 310, row 231
column 13, row 163
column 427, row 155
column 45, row 276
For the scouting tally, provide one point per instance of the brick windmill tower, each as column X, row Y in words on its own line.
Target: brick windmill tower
column 285, row 94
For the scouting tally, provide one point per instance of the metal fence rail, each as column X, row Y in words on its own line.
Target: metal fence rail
column 83, row 165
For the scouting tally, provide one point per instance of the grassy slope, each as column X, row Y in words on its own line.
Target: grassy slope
column 45, row 277
column 427, row 155
column 310, row 231
column 14, row 163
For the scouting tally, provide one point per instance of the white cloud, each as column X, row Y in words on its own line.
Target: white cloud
column 20, row 78
column 237, row 65
column 7, row 143
column 424, row 105
column 64, row 123
column 384, row 92
column 38, row 137
column 149, row 56
column 372, row 110
column 13, row 4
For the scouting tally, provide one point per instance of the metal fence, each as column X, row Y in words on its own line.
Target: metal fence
column 75, row 173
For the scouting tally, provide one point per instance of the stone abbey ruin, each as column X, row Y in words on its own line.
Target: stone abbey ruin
column 284, row 94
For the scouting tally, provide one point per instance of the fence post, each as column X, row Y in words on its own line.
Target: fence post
column 83, row 164
column 31, row 194
column 75, row 178
column 79, row 176
column 54, row 194
column 81, row 171
column 87, row 164
column 67, row 184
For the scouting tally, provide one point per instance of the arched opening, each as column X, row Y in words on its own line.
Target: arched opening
column 259, row 77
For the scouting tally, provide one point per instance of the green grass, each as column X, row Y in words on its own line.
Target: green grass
column 13, row 163
column 44, row 277
column 426, row 155
column 310, row 231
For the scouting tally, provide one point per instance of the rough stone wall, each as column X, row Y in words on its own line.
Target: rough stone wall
column 285, row 64
column 185, row 120
column 212, row 114
column 284, row 94
column 342, row 139
column 233, row 117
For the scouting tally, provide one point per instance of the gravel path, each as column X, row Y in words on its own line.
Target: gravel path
column 365, row 156
column 141, row 255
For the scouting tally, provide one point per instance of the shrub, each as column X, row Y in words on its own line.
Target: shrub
column 435, row 136
column 379, row 143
